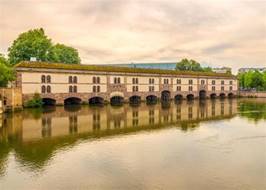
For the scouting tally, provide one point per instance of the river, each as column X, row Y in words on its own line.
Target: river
column 197, row 145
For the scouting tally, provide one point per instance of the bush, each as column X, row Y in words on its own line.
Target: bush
column 36, row 101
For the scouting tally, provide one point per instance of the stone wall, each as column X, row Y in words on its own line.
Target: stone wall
column 253, row 94
column 11, row 98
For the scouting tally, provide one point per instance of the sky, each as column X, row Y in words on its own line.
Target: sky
column 216, row 33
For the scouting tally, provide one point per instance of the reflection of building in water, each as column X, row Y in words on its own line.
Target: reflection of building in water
column 61, row 122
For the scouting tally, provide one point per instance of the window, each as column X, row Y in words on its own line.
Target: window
column 117, row 80
column 178, row 81
column 151, row 88
column 213, row 88
column 70, row 89
column 48, row 89
column 98, row 88
column 222, row 82
column 231, row 82
column 222, row 88
column 190, row 88
column 202, row 82
column 75, row 89
column 165, row 81
column 70, row 79
column 75, row 79
column 94, row 88
column 98, row 80
column 178, row 88
column 43, row 78
column 213, row 82
column 135, row 88
column 230, row 88
column 151, row 81
column 43, row 89
column 190, row 81
column 94, row 80
column 48, row 79
column 135, row 80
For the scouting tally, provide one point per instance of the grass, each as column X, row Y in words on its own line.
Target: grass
column 47, row 65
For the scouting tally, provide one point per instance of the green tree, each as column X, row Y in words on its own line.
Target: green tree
column 6, row 71
column 191, row 65
column 33, row 43
column 63, row 54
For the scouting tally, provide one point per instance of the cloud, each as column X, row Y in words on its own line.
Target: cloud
column 224, row 32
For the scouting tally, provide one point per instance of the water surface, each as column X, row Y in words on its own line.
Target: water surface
column 189, row 145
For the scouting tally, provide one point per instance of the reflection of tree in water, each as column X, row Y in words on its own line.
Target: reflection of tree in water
column 253, row 110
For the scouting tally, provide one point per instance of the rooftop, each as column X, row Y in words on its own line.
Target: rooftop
column 47, row 65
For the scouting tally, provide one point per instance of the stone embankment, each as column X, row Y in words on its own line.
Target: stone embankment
column 253, row 94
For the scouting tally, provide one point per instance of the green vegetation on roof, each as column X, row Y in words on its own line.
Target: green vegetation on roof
column 46, row 65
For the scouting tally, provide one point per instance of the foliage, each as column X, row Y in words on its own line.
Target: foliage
column 61, row 53
column 253, row 111
column 191, row 65
column 43, row 65
column 36, row 101
column 252, row 80
column 6, row 71
column 34, row 43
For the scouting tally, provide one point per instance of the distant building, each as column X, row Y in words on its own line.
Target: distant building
column 222, row 70
column 162, row 65
column 244, row 70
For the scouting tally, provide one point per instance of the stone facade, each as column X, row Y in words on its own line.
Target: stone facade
column 11, row 98
column 30, row 81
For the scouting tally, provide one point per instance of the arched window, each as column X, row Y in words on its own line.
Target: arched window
column 43, row 78
column 75, row 89
column 70, row 79
column 48, row 89
column 118, row 80
column 98, row 88
column 75, row 79
column 94, row 80
column 48, row 79
column 70, row 89
column 98, row 80
column 43, row 89
column 94, row 88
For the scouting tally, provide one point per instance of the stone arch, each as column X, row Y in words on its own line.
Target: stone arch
column 190, row 96
column 222, row 95
column 178, row 97
column 202, row 94
column 72, row 101
column 231, row 95
column 151, row 99
column 96, row 100
column 49, row 101
column 134, row 99
column 117, row 93
column 116, row 100
column 213, row 95
column 165, row 95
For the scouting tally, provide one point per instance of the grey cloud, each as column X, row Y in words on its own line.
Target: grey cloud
column 218, row 48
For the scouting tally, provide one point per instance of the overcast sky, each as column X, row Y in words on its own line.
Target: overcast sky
column 214, row 32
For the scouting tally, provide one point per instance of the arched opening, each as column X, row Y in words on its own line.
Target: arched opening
column 165, row 96
column 96, row 101
column 178, row 97
column 190, row 97
column 72, row 101
column 116, row 100
column 213, row 96
column 135, row 100
column 202, row 94
column 222, row 95
column 151, row 99
column 230, row 95
column 49, row 102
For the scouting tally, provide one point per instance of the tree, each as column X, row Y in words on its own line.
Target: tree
column 63, row 54
column 33, row 43
column 6, row 71
column 191, row 65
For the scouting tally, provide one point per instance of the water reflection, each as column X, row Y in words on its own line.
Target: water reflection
column 35, row 134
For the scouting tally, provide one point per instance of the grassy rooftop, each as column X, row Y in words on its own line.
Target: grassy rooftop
column 46, row 65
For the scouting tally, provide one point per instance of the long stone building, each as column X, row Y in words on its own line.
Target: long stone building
column 65, row 84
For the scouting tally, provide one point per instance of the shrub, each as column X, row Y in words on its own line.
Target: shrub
column 36, row 101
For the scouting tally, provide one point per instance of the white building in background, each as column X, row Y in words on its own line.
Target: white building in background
column 244, row 70
column 222, row 70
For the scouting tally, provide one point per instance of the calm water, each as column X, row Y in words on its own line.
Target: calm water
column 198, row 145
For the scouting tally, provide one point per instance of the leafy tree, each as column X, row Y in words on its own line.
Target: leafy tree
column 33, row 43
column 252, row 79
column 36, row 101
column 191, row 65
column 6, row 71
column 63, row 54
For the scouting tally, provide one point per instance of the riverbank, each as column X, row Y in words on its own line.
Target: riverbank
column 252, row 94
